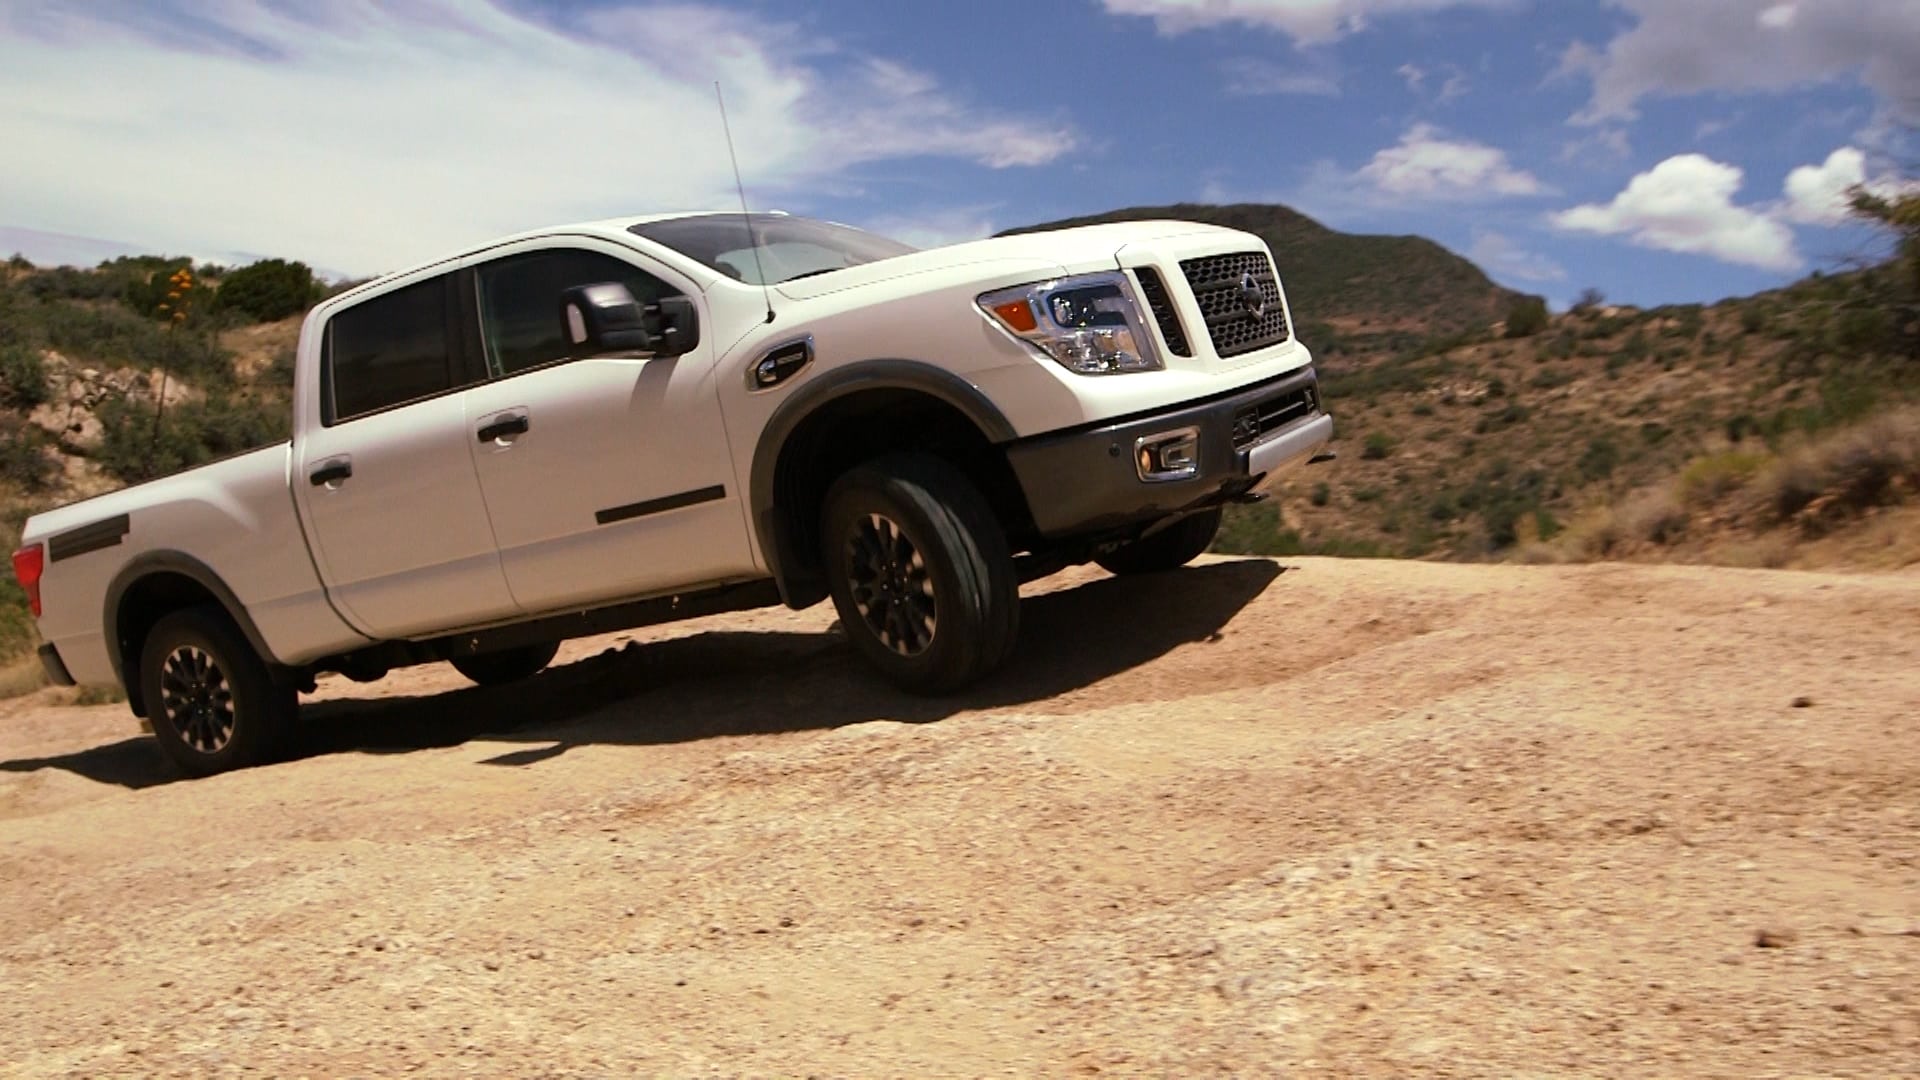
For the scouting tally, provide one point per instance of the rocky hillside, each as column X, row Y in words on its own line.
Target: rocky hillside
column 1739, row 432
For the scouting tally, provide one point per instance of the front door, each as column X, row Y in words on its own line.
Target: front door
column 385, row 478
column 604, row 477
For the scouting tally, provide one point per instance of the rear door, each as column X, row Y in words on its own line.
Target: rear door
column 605, row 477
column 385, row 478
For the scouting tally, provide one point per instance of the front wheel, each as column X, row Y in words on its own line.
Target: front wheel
column 1172, row 547
column 507, row 665
column 213, row 703
column 920, row 573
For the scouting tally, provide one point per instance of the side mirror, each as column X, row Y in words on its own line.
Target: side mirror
column 605, row 318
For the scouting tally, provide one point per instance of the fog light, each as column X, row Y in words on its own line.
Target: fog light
column 1170, row 455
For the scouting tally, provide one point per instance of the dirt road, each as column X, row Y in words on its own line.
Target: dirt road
column 1314, row 816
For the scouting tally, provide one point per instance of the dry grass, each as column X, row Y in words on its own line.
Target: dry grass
column 22, row 676
column 1876, row 463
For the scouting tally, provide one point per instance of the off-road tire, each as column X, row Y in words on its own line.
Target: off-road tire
column 211, row 699
column 507, row 665
column 1171, row 548
column 920, row 573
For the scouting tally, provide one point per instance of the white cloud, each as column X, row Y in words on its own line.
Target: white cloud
column 362, row 136
column 1309, row 22
column 936, row 228
column 1503, row 258
column 1820, row 194
column 1415, row 75
column 1250, row 77
column 1427, row 165
column 1610, row 145
column 1817, row 194
column 1680, row 47
column 1685, row 204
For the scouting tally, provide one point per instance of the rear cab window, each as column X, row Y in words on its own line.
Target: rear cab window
column 390, row 350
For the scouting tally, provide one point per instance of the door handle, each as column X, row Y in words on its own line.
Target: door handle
column 331, row 472
column 505, row 426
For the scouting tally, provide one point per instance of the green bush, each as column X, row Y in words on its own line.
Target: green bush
column 1322, row 494
column 268, row 290
column 1712, row 478
column 23, row 378
column 1378, row 446
column 1527, row 317
column 190, row 434
column 1599, row 459
column 23, row 457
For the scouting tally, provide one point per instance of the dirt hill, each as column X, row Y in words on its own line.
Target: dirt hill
column 1313, row 817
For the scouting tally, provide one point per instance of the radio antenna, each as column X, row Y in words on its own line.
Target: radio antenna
column 752, row 240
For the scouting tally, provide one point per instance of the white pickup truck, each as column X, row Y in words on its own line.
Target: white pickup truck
column 608, row 425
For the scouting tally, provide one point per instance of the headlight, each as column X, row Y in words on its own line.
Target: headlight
column 1090, row 324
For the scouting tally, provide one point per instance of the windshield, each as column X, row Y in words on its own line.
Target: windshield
column 787, row 247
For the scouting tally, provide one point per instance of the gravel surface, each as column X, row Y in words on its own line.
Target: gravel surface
column 1249, row 818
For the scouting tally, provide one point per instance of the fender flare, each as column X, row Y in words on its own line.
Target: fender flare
column 859, row 377
column 147, row 565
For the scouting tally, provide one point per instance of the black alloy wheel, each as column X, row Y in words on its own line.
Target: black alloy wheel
column 212, row 700
column 891, row 586
column 196, row 700
column 919, row 571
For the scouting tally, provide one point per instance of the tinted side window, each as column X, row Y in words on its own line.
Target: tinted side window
column 520, row 302
column 390, row 349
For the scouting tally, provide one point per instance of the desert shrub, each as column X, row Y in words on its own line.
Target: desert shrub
column 1708, row 480
column 280, row 371
column 147, row 288
column 268, row 290
column 1421, row 408
column 1322, row 494
column 1550, row 379
column 190, row 434
column 23, row 377
column 1869, row 465
column 1655, row 517
column 1514, row 413
column 1378, row 446
column 1590, row 299
column 1599, row 459
column 23, row 458
column 1527, row 317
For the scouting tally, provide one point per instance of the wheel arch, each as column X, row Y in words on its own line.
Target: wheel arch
column 805, row 444
column 153, row 586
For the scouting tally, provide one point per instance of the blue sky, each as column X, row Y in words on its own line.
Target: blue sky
column 1659, row 150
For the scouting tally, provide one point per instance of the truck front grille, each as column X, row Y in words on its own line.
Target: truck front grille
column 1254, row 422
column 1154, row 291
column 1225, row 287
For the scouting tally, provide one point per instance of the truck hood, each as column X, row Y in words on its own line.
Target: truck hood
column 1045, row 254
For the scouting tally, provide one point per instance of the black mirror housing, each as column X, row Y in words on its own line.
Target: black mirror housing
column 605, row 318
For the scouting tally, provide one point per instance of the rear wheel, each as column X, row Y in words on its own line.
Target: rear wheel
column 211, row 699
column 919, row 571
column 1174, row 546
column 507, row 665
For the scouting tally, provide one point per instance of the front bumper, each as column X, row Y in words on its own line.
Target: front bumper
column 1085, row 481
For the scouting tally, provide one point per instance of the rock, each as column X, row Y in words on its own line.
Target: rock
column 1803, row 702
column 1777, row 938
